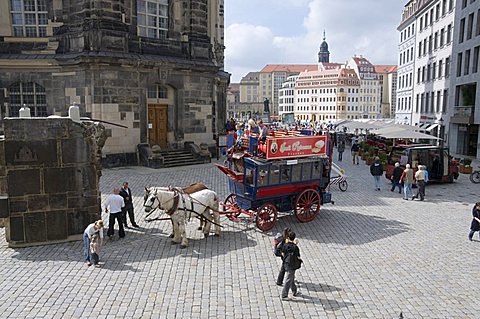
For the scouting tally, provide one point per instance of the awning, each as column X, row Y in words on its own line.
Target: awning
column 408, row 134
column 431, row 127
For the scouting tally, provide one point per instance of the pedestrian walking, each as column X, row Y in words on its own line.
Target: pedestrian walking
column 407, row 180
column 126, row 193
column 420, row 178
column 475, row 225
column 376, row 169
column 396, row 175
column 291, row 262
column 281, row 240
column 355, row 148
column 96, row 229
column 340, row 149
column 114, row 204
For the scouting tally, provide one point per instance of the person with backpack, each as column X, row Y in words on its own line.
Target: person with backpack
column 291, row 262
column 376, row 169
column 355, row 149
column 279, row 241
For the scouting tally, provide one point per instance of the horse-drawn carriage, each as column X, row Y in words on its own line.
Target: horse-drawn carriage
column 287, row 173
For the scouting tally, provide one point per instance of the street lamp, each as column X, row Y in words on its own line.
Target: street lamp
column 439, row 131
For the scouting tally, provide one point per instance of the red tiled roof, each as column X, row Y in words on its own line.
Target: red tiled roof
column 385, row 68
column 297, row 68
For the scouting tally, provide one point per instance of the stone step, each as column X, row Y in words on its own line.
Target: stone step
column 174, row 158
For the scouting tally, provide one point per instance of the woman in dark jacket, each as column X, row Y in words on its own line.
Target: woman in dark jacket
column 475, row 226
column 291, row 262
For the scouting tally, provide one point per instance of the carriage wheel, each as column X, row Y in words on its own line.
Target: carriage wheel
column 266, row 217
column 307, row 205
column 343, row 185
column 231, row 204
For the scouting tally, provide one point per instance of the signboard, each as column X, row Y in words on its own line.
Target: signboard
column 288, row 147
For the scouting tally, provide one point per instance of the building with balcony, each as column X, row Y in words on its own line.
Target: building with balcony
column 464, row 111
column 152, row 66
column 286, row 99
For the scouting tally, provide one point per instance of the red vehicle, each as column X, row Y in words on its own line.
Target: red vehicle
column 439, row 163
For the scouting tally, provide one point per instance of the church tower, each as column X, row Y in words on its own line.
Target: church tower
column 324, row 54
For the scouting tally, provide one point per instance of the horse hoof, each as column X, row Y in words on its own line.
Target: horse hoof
column 206, row 235
column 170, row 236
column 183, row 246
column 173, row 242
column 199, row 228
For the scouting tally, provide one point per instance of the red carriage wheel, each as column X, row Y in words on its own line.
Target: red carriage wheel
column 266, row 217
column 307, row 205
column 231, row 206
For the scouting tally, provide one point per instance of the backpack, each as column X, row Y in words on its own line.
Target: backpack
column 277, row 245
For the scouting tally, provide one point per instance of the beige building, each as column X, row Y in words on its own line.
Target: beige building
column 387, row 76
column 327, row 95
column 369, row 98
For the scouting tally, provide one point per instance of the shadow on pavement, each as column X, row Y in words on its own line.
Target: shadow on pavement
column 350, row 228
column 317, row 287
column 119, row 254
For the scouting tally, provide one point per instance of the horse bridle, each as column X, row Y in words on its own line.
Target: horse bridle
column 160, row 204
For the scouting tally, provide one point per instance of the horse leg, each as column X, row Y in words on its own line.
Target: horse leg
column 176, row 231
column 208, row 224
column 173, row 229
column 183, row 235
column 202, row 223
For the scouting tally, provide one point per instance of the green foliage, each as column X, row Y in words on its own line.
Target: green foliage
column 467, row 161
column 383, row 157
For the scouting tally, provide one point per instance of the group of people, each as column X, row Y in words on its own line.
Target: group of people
column 118, row 205
column 402, row 176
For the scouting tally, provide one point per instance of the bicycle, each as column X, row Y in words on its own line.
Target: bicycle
column 475, row 177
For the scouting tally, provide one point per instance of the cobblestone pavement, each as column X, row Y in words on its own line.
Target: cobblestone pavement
column 371, row 255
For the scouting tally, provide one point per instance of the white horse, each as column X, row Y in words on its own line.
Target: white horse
column 181, row 206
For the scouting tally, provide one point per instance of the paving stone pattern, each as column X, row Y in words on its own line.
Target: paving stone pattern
column 371, row 255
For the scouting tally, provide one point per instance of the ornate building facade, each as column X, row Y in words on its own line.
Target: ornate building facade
column 155, row 67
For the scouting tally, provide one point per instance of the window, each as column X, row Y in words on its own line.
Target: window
column 421, row 23
column 430, row 44
column 437, row 12
column 459, row 64
column 29, row 94
column 419, row 48
column 464, row 4
column 470, row 26
column 445, row 101
column 423, row 74
column 461, row 31
column 435, row 41
column 428, row 72
column 418, row 75
column 466, row 68
column 475, row 59
column 477, row 28
column 447, row 67
column 444, row 7
column 29, row 18
column 440, row 66
column 157, row 92
column 424, row 46
column 442, row 37
column 426, row 20
column 431, row 16
column 450, row 5
column 449, row 33
column 438, row 101
column 434, row 70
column 152, row 18
column 417, row 103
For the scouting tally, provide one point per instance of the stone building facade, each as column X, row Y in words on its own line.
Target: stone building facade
column 153, row 67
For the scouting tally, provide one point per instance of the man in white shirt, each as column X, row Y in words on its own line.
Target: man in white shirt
column 115, row 203
column 263, row 131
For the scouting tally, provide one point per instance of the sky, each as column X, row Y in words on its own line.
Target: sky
column 261, row 32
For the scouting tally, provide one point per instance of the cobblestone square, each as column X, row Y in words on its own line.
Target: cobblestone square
column 371, row 255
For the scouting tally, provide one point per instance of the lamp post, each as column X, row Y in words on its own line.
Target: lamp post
column 440, row 131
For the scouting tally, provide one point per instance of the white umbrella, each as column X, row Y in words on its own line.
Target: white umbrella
column 408, row 134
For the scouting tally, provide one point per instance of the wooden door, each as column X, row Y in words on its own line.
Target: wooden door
column 157, row 125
